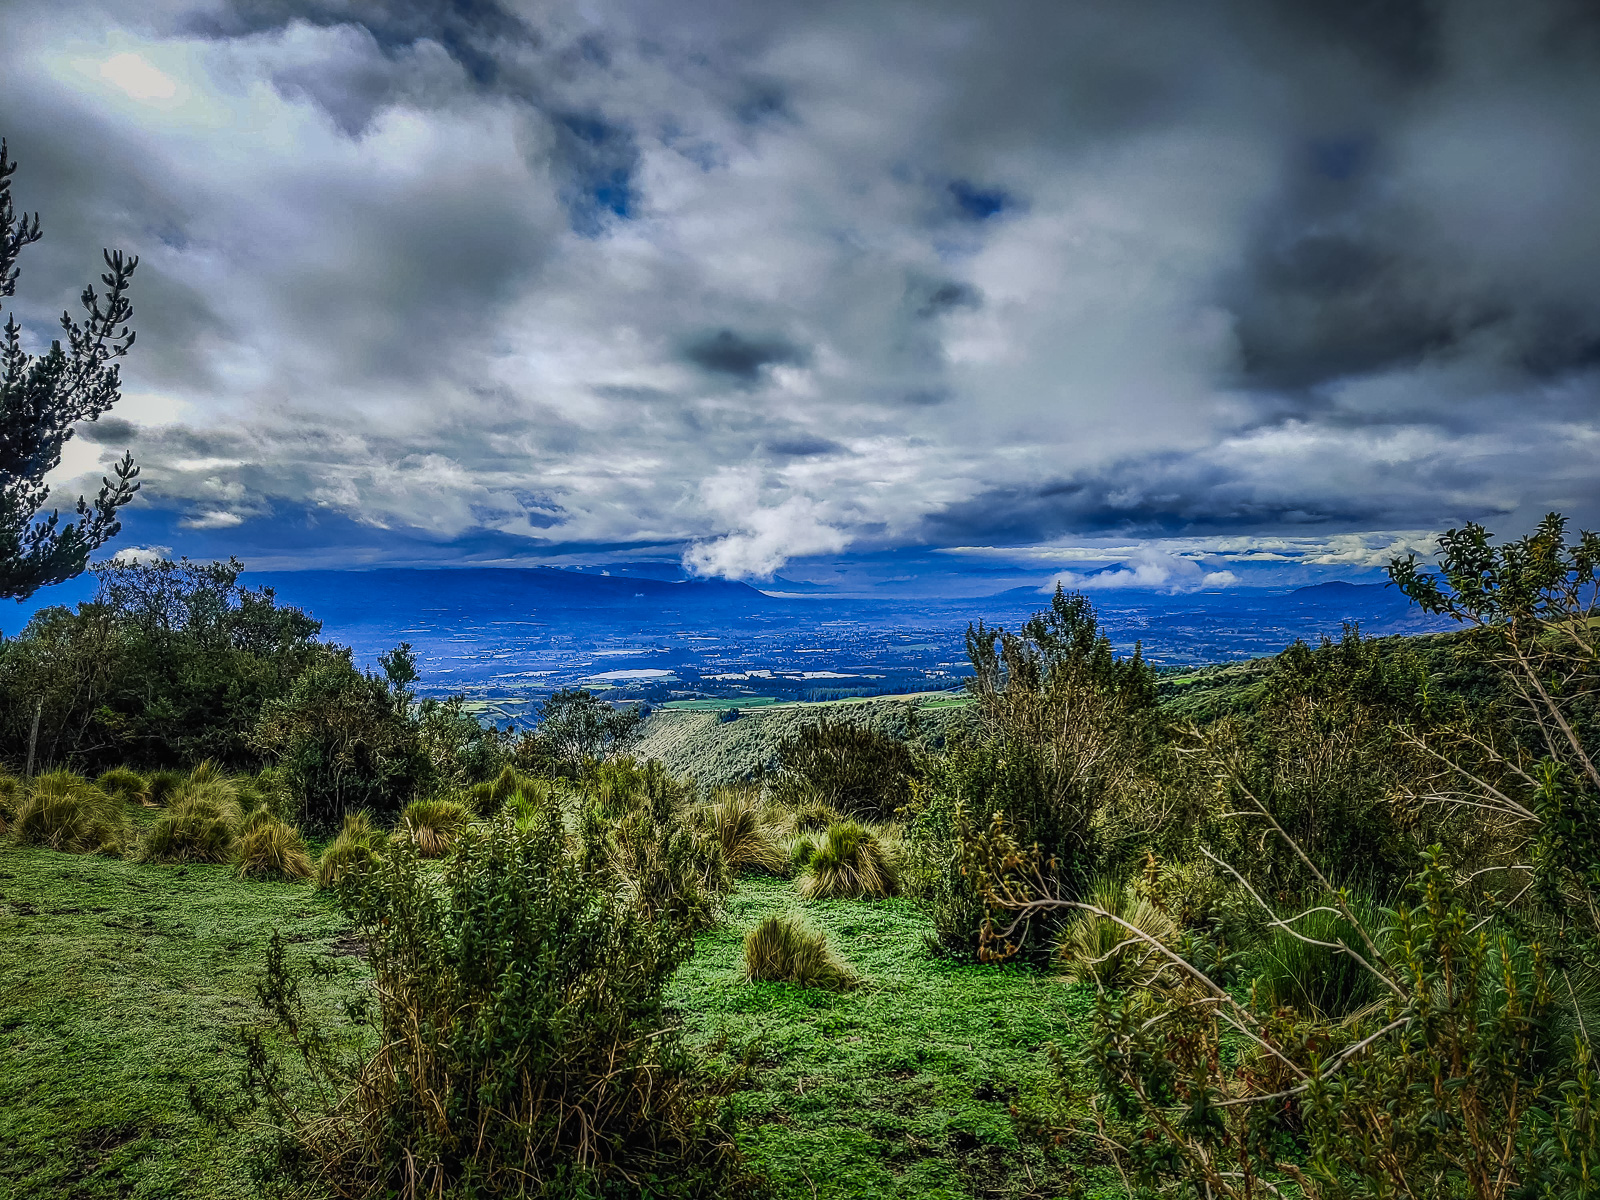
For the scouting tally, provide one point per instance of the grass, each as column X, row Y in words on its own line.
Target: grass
column 901, row 1087
column 120, row 984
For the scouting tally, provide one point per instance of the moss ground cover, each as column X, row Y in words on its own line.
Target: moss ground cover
column 120, row 984
column 901, row 1087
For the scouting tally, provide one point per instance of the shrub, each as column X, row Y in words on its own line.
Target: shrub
column 783, row 950
column 1094, row 948
column 272, row 849
column 355, row 848
column 522, row 1046
column 123, row 784
column 746, row 845
column 432, row 825
column 669, row 871
column 849, row 863
column 268, row 792
column 849, row 767
column 66, row 812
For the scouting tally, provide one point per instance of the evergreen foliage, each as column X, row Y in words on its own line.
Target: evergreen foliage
column 41, row 398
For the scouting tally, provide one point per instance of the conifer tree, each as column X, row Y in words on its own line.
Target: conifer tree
column 41, row 398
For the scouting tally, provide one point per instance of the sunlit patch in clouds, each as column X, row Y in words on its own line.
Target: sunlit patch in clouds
column 741, row 284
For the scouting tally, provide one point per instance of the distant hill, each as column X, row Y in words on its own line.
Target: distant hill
column 702, row 745
column 1341, row 589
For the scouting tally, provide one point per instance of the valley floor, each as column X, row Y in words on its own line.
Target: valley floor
column 121, row 984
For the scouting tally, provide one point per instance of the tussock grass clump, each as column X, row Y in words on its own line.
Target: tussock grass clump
column 1095, row 949
column 1319, row 981
column 10, row 799
column 272, row 849
column 850, row 863
column 201, row 824
column 783, row 950
column 800, row 848
column 813, row 816
column 356, row 847
column 490, row 796
column 159, row 785
column 735, row 823
column 66, row 812
column 123, row 784
column 433, row 825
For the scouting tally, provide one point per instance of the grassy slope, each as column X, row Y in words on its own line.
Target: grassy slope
column 121, row 983
column 695, row 743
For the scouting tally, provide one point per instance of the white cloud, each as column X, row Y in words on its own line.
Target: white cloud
column 142, row 555
column 383, row 279
column 215, row 518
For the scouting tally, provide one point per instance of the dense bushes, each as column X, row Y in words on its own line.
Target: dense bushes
column 170, row 664
column 846, row 768
column 520, row 1034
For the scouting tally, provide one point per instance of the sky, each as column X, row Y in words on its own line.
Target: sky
column 1178, row 295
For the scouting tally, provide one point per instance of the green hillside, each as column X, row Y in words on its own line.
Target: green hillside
column 703, row 744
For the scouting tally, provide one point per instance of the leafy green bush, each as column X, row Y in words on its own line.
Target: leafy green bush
column 522, row 1046
column 849, row 863
column 343, row 740
column 272, row 849
column 124, row 784
column 783, row 950
column 432, row 826
column 847, row 767
column 66, row 812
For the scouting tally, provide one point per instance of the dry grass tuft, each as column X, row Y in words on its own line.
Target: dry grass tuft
column 356, row 847
column 850, row 863
column 734, row 822
column 272, row 849
column 124, row 785
column 782, row 949
column 1094, row 949
column 66, row 812
column 433, row 825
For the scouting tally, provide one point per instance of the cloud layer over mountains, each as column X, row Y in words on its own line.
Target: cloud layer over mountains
column 435, row 279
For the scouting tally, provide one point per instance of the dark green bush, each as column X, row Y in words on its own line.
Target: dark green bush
column 522, row 1047
column 850, row 768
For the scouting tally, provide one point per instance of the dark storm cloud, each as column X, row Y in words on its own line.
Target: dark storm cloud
column 740, row 356
column 764, row 281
